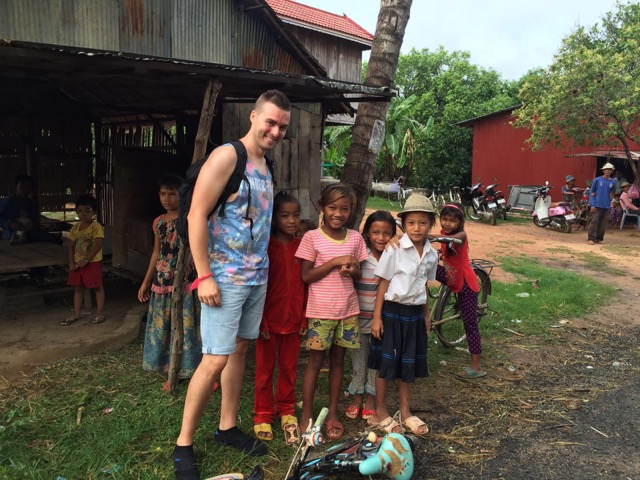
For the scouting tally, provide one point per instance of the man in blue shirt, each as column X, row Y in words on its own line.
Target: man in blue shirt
column 600, row 202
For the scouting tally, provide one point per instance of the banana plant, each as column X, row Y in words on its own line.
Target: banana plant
column 403, row 131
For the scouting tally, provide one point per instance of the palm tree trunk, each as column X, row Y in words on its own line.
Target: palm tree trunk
column 368, row 130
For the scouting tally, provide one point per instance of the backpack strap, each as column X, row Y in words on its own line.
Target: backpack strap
column 233, row 184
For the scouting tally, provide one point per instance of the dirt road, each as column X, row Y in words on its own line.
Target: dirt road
column 569, row 410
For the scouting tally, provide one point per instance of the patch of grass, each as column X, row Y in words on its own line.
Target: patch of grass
column 517, row 218
column 598, row 263
column 40, row 437
column 552, row 294
column 382, row 203
column 559, row 250
column 625, row 251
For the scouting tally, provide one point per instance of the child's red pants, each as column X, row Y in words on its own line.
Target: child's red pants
column 284, row 348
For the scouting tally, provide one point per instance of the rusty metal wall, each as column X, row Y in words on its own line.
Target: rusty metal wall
column 217, row 31
column 500, row 152
column 86, row 23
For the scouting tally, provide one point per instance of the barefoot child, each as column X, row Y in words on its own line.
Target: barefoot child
column 401, row 315
column 283, row 322
column 379, row 228
column 331, row 257
column 157, row 288
column 85, row 258
column 459, row 276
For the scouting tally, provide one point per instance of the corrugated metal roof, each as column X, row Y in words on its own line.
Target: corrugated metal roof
column 112, row 84
column 337, row 24
column 244, row 33
column 607, row 153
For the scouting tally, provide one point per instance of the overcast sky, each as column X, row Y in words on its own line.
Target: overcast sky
column 510, row 36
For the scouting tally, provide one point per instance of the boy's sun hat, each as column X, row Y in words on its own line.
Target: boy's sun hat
column 608, row 165
column 417, row 203
column 624, row 184
column 568, row 178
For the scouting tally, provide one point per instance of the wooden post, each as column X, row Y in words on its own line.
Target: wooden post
column 177, row 331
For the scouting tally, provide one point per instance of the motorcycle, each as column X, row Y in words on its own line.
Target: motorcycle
column 498, row 196
column 481, row 205
column 558, row 216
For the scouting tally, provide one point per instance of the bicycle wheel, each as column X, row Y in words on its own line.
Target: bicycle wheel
column 484, row 281
column 391, row 196
column 451, row 333
column 402, row 198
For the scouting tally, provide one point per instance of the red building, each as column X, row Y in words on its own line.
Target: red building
column 500, row 153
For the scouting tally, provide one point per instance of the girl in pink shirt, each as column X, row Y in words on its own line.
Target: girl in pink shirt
column 331, row 257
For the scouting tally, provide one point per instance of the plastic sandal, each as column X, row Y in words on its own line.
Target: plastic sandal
column 263, row 431
column 289, row 425
column 332, row 425
column 367, row 413
column 352, row 411
column 388, row 425
column 68, row 321
column 98, row 319
column 413, row 424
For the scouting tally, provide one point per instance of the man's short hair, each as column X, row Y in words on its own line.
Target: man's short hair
column 276, row 97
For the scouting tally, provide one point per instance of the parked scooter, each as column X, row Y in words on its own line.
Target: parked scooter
column 558, row 216
column 481, row 205
column 501, row 204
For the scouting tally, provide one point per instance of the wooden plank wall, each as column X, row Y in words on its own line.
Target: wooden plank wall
column 297, row 160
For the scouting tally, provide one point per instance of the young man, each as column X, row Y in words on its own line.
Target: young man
column 600, row 201
column 232, row 278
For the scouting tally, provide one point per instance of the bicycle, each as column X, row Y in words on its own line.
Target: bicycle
column 445, row 313
column 364, row 454
column 397, row 192
column 454, row 195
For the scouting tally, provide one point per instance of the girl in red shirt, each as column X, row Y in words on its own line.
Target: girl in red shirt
column 283, row 322
column 459, row 276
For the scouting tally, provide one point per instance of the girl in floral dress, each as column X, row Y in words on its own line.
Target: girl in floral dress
column 157, row 287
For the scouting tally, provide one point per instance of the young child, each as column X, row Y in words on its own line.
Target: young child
column 331, row 257
column 401, row 315
column 157, row 288
column 306, row 224
column 85, row 259
column 458, row 275
column 283, row 322
column 379, row 228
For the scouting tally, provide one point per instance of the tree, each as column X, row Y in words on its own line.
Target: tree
column 403, row 135
column 368, row 129
column 590, row 95
column 449, row 89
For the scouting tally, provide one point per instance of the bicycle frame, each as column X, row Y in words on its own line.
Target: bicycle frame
column 393, row 458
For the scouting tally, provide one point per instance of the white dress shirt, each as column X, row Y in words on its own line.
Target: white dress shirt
column 407, row 272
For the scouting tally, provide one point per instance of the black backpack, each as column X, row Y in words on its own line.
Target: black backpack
column 233, row 184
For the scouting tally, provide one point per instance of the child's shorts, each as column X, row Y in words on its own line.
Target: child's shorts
column 324, row 333
column 89, row 276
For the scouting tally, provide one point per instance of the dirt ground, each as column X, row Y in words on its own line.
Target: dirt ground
column 540, row 412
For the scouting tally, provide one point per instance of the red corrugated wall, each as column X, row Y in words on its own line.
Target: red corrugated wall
column 500, row 151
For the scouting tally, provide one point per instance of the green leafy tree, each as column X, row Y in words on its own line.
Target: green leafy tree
column 449, row 89
column 590, row 95
column 337, row 141
column 403, row 134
